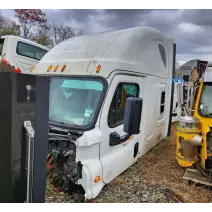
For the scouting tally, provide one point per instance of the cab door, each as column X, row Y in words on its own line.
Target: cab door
column 116, row 159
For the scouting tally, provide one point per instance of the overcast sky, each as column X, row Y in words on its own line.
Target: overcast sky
column 190, row 29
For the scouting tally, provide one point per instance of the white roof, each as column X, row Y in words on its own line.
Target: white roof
column 134, row 49
column 25, row 40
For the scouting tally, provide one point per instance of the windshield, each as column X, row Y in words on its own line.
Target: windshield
column 1, row 46
column 205, row 106
column 74, row 101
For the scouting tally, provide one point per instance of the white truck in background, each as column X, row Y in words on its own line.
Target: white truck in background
column 22, row 54
column 111, row 98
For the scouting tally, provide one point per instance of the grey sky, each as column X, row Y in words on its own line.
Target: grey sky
column 190, row 29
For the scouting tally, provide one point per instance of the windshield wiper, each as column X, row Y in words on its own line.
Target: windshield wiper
column 72, row 124
column 53, row 122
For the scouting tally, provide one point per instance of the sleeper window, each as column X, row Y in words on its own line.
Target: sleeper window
column 162, row 102
column 162, row 53
column 116, row 111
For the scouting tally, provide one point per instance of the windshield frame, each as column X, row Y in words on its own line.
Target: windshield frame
column 92, row 124
column 198, row 111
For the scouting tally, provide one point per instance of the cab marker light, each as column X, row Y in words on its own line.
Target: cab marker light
column 33, row 67
column 97, row 179
column 17, row 70
column 63, row 68
column 56, row 67
column 98, row 68
column 49, row 68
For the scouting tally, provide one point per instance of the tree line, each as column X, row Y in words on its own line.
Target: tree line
column 33, row 25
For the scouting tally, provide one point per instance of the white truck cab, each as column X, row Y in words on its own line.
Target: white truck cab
column 92, row 80
column 21, row 53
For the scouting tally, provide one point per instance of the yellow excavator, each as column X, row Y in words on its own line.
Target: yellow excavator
column 194, row 129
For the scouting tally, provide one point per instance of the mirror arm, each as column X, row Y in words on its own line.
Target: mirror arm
column 124, row 138
column 115, row 138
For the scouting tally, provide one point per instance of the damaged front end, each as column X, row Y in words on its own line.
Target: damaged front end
column 74, row 105
column 62, row 168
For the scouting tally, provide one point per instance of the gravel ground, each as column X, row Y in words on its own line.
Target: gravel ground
column 124, row 189
column 155, row 178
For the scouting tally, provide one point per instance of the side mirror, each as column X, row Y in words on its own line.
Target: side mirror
column 132, row 116
column 132, row 119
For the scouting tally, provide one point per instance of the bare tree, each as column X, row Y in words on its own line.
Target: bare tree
column 42, row 35
column 61, row 32
column 8, row 27
column 1, row 20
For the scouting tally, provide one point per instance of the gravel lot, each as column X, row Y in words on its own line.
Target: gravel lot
column 155, row 178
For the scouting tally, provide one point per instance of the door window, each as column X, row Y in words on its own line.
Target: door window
column 117, row 107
